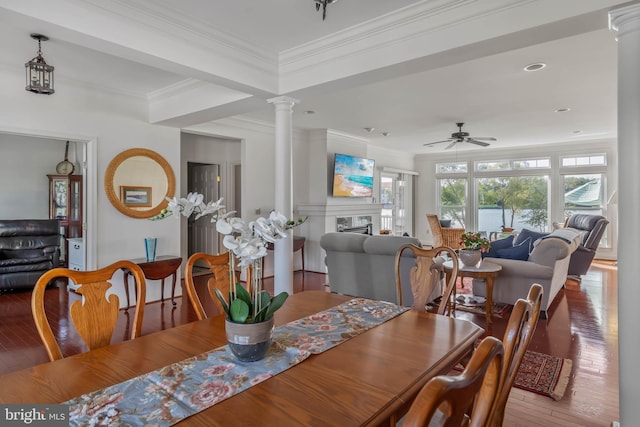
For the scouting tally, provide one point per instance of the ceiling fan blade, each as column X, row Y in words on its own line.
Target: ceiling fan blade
column 437, row 142
column 451, row 145
column 484, row 138
column 481, row 143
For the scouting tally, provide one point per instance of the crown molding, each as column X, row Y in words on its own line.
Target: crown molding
column 148, row 13
column 176, row 89
column 625, row 20
column 392, row 29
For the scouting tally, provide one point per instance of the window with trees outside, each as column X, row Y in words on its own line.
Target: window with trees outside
column 513, row 202
column 512, row 196
column 523, row 192
column 452, row 189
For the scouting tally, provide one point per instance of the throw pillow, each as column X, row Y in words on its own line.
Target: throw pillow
column 526, row 234
column 445, row 223
column 507, row 242
column 519, row 252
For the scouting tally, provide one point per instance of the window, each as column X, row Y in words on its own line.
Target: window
column 507, row 165
column 586, row 160
column 453, row 200
column 583, row 194
column 515, row 202
column 458, row 167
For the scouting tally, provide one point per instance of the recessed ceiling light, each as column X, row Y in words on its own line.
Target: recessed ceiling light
column 369, row 129
column 307, row 112
column 563, row 110
column 535, row 66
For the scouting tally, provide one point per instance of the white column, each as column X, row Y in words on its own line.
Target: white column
column 626, row 21
column 283, row 248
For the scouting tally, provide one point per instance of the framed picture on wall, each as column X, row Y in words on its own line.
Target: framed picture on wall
column 135, row 196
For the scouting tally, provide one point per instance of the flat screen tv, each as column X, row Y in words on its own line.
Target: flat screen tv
column 352, row 176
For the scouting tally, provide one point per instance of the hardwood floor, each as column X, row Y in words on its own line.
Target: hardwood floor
column 582, row 326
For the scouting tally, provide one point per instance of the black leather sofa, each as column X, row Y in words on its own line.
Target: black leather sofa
column 28, row 248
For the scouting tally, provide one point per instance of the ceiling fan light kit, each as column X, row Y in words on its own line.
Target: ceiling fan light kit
column 324, row 4
column 460, row 136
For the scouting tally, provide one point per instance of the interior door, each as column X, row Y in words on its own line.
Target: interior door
column 204, row 179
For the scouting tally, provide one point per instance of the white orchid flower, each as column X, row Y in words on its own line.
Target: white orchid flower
column 262, row 228
column 211, row 208
column 174, row 206
column 192, row 201
column 238, row 225
column 248, row 241
column 230, row 243
column 223, row 227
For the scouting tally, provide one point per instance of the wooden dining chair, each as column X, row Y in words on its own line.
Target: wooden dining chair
column 464, row 399
column 95, row 316
column 517, row 336
column 426, row 277
column 444, row 236
column 218, row 265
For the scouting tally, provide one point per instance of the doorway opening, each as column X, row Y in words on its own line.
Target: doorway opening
column 203, row 178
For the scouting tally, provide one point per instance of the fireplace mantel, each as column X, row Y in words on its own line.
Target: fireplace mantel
column 323, row 219
column 339, row 209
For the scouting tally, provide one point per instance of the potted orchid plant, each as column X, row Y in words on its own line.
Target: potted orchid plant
column 247, row 242
column 249, row 319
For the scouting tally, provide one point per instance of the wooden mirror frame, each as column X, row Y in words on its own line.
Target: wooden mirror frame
column 114, row 197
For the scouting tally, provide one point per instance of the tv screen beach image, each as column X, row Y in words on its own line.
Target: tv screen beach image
column 353, row 176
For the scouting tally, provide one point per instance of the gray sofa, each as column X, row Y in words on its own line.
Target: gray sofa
column 28, row 248
column 364, row 266
column 547, row 265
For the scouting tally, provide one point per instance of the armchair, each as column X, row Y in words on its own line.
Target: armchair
column 591, row 228
column 444, row 236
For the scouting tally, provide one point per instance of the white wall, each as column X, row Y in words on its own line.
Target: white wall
column 114, row 122
column 24, row 164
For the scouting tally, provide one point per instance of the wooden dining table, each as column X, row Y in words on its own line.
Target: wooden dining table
column 370, row 379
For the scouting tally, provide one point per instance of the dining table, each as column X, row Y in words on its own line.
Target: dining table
column 369, row 379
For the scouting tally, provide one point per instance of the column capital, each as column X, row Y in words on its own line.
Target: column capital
column 625, row 19
column 283, row 100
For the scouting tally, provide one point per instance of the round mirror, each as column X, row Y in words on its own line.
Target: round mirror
column 137, row 182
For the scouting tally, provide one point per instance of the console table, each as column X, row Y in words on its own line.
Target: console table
column 163, row 267
column 298, row 245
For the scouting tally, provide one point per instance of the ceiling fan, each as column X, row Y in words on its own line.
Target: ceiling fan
column 461, row 136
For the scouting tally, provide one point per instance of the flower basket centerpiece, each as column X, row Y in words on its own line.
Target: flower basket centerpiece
column 473, row 245
column 250, row 310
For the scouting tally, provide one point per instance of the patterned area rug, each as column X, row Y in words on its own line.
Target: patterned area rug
column 466, row 301
column 542, row 374
column 499, row 309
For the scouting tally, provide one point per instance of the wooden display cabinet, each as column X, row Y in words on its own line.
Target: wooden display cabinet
column 65, row 204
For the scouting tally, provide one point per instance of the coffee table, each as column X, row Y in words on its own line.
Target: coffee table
column 485, row 270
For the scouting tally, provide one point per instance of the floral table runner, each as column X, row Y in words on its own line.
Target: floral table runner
column 170, row 394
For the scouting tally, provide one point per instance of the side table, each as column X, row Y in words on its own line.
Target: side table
column 487, row 271
column 163, row 267
column 298, row 245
